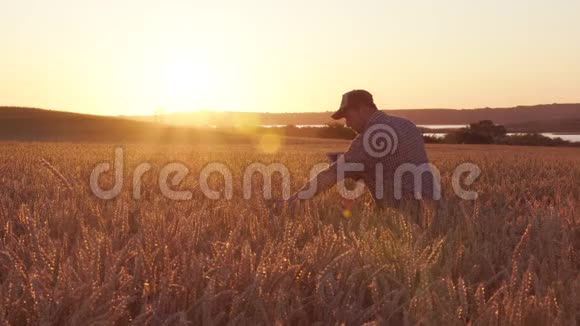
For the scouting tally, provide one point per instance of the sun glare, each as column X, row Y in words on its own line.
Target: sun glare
column 186, row 82
column 270, row 143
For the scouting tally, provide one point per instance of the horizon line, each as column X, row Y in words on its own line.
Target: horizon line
column 285, row 112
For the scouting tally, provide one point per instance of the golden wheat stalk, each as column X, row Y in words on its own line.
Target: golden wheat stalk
column 56, row 173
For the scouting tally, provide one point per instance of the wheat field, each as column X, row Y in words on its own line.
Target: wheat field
column 511, row 257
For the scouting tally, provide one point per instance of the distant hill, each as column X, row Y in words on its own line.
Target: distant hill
column 32, row 124
column 549, row 115
column 504, row 116
column 554, row 125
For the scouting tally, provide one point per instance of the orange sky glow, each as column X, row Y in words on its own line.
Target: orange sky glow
column 131, row 57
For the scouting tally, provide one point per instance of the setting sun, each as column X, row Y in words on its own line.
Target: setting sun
column 185, row 82
column 188, row 56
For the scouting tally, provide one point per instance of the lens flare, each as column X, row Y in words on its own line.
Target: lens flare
column 270, row 143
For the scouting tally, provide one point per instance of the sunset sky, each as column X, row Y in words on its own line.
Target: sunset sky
column 130, row 57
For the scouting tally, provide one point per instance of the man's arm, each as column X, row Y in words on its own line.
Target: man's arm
column 333, row 174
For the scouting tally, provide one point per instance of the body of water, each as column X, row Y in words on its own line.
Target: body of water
column 321, row 126
column 572, row 138
column 443, row 126
column 568, row 137
column 552, row 135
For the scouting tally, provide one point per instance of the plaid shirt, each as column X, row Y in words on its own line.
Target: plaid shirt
column 391, row 152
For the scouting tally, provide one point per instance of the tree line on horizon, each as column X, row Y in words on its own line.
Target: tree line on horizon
column 482, row 132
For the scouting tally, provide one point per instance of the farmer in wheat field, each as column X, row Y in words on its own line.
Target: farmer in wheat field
column 388, row 155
